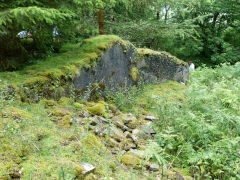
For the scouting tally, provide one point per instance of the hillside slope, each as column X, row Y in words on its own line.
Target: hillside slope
column 149, row 131
column 107, row 60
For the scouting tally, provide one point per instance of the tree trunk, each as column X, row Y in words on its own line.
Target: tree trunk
column 158, row 15
column 166, row 14
column 100, row 21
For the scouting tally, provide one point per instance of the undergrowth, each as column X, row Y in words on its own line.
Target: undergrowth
column 198, row 128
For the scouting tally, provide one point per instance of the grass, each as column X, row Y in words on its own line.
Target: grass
column 199, row 125
column 71, row 59
column 197, row 131
column 35, row 146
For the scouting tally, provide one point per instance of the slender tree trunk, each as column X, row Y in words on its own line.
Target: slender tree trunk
column 100, row 21
column 166, row 14
column 158, row 15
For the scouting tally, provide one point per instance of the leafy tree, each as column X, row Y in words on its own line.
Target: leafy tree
column 37, row 17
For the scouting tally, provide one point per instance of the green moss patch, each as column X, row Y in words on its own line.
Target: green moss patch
column 98, row 109
column 131, row 160
column 15, row 113
column 57, row 70
column 134, row 73
column 144, row 52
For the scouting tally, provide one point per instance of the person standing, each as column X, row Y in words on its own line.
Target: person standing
column 191, row 65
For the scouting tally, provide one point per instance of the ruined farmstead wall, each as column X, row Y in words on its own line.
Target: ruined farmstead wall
column 119, row 67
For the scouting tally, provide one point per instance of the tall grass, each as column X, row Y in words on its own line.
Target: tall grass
column 202, row 134
column 198, row 131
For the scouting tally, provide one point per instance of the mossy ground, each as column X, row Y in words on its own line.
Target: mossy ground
column 155, row 95
column 41, row 141
column 67, row 63
column 35, row 146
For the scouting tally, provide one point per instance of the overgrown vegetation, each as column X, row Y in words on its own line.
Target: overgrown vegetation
column 46, row 125
column 206, row 32
column 197, row 130
column 198, row 126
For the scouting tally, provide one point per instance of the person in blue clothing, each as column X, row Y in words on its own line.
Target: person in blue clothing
column 55, row 31
column 22, row 34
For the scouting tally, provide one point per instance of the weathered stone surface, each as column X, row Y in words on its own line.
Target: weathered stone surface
column 84, row 168
column 117, row 134
column 148, row 129
column 127, row 118
column 118, row 122
column 115, row 68
column 129, row 145
column 136, row 135
column 154, row 167
column 128, row 134
column 179, row 176
column 150, row 118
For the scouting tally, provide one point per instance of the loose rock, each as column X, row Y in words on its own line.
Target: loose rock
column 179, row 176
column 150, row 118
column 84, row 168
column 117, row 121
column 130, row 160
column 154, row 167
column 117, row 134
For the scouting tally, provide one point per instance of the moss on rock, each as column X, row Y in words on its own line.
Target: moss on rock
column 131, row 160
column 15, row 113
column 134, row 73
column 65, row 121
column 78, row 106
column 142, row 52
column 98, row 109
column 49, row 102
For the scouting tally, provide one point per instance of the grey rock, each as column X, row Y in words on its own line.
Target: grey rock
column 94, row 121
column 113, row 69
column 141, row 64
column 127, row 134
column 79, row 120
column 135, row 135
column 117, row 134
column 154, row 167
column 88, row 168
column 85, row 114
column 128, row 118
column 179, row 176
column 115, row 65
column 116, row 121
column 98, row 120
column 148, row 129
column 150, row 118
column 102, row 119
column 130, row 145
column 143, row 132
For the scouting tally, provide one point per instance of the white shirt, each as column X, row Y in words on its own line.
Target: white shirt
column 192, row 67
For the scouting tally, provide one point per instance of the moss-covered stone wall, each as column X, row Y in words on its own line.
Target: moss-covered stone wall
column 119, row 67
column 107, row 60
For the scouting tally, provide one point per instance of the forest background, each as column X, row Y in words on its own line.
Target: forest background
column 202, row 31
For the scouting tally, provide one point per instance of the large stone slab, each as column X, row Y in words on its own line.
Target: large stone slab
column 121, row 67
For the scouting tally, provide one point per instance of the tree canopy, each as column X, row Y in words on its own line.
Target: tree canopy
column 205, row 31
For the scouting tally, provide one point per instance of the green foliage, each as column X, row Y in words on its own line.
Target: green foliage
column 198, row 125
column 191, row 30
column 206, row 32
column 202, row 133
